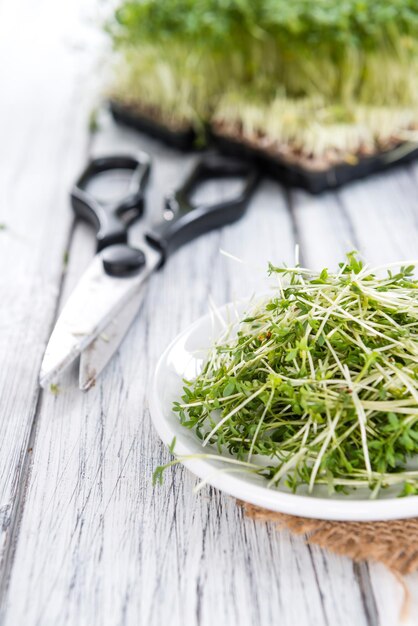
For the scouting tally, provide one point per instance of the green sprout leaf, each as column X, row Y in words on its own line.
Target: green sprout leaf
column 54, row 389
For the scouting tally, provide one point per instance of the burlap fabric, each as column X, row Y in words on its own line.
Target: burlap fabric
column 393, row 543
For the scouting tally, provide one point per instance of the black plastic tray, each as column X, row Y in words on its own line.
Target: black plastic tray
column 317, row 181
column 288, row 174
column 181, row 140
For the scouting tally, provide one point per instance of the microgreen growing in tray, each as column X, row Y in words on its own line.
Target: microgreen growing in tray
column 318, row 384
column 240, row 64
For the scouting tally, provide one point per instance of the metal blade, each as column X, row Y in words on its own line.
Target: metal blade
column 96, row 356
column 96, row 300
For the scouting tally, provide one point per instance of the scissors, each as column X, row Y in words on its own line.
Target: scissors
column 109, row 295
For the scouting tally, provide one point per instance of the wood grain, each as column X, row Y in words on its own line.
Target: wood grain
column 42, row 126
column 98, row 544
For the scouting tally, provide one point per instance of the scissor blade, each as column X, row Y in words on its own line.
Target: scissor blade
column 96, row 356
column 96, row 300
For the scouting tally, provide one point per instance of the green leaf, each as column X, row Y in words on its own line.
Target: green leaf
column 229, row 389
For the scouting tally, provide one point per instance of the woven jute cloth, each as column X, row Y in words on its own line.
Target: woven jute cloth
column 393, row 543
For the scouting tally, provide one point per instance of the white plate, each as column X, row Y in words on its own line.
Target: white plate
column 183, row 359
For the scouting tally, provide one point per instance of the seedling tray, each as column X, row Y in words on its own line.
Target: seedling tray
column 289, row 174
column 183, row 140
column 316, row 181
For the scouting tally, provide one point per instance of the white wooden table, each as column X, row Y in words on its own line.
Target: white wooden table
column 85, row 539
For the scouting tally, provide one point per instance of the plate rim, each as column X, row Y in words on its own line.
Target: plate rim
column 259, row 495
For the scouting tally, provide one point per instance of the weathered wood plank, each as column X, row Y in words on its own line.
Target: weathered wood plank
column 98, row 544
column 42, row 127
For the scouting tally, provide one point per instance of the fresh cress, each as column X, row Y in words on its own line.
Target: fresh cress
column 319, row 383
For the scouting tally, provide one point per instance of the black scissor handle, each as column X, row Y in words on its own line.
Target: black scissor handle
column 185, row 220
column 112, row 219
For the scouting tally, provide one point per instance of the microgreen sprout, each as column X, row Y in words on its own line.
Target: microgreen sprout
column 54, row 389
column 317, row 385
column 94, row 121
column 323, row 80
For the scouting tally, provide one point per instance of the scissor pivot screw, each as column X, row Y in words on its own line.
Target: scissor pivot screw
column 122, row 260
column 168, row 215
column 171, row 208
